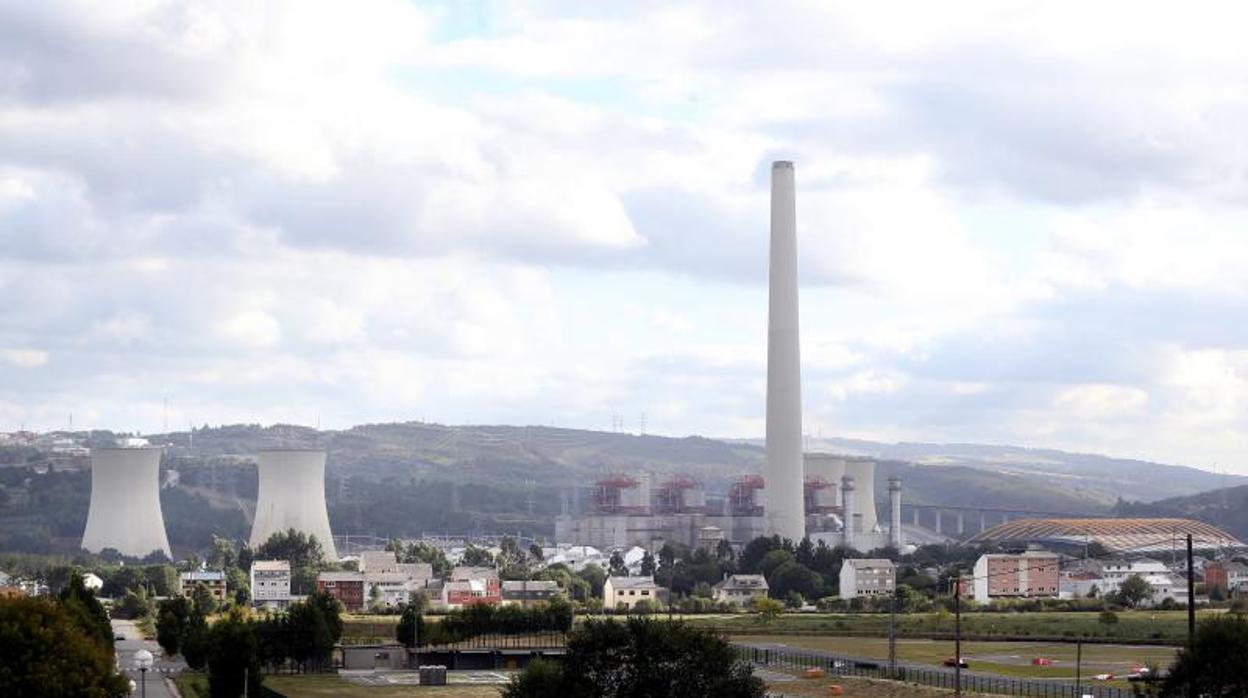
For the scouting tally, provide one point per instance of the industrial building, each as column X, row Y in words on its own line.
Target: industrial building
column 124, row 513
column 292, row 495
column 626, row 511
column 1135, row 536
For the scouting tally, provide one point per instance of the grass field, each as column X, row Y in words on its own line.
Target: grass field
column 1004, row 658
column 1160, row 627
column 318, row 686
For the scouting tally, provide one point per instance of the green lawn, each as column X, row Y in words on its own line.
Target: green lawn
column 1159, row 627
column 328, row 685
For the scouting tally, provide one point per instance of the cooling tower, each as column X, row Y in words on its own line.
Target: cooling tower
column 863, row 472
column 125, row 502
column 784, row 506
column 826, row 467
column 292, row 495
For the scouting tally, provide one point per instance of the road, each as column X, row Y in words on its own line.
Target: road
column 162, row 667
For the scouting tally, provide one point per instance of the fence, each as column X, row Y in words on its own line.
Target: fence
column 927, row 676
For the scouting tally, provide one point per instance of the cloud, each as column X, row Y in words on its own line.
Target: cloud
column 1018, row 222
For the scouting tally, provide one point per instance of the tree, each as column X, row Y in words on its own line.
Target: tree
column 768, row 609
column 233, row 657
column 1108, row 619
column 203, row 599
column 773, row 560
column 477, row 557
column 304, row 553
column 45, row 650
column 535, row 551
column 1216, row 663
column 1134, row 591
column 755, row 551
column 89, row 613
column 791, row 577
column 171, row 619
column 424, row 552
column 135, row 604
column 595, row 577
column 724, row 553
column 410, row 627
column 617, row 568
column 195, row 639
column 640, row 657
column 647, row 565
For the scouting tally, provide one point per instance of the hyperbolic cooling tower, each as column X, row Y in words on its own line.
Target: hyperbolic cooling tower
column 826, row 467
column 125, row 502
column 863, row 472
column 784, row 503
column 292, row 495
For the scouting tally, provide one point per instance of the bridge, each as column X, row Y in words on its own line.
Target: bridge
column 963, row 522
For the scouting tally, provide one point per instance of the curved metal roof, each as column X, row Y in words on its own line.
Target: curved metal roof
column 1136, row 535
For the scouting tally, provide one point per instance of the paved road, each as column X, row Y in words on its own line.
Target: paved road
column 162, row 667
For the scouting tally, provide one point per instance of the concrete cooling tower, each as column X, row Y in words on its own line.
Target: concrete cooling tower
column 125, row 502
column 863, row 472
column 292, row 495
column 783, row 492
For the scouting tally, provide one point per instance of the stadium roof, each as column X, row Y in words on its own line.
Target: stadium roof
column 1117, row 535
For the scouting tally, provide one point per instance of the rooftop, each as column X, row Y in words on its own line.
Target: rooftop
column 1118, row 535
column 633, row 583
column 870, row 563
column 270, row 566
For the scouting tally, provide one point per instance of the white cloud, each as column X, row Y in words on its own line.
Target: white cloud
column 24, row 358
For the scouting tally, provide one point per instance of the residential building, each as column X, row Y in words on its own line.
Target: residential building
column 1225, row 575
column 1033, row 574
column 1080, row 584
column 625, row 592
column 468, row 586
column 740, row 589
column 270, row 583
column 1118, row 569
column 214, row 580
column 347, row 587
column 867, row 577
column 524, row 593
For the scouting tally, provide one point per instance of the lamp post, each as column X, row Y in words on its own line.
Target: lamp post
column 143, row 662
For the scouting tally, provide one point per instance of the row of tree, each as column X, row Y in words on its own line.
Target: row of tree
column 483, row 619
column 59, row 646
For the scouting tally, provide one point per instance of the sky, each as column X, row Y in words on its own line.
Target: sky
column 1019, row 222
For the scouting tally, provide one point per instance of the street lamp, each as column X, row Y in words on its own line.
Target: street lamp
column 143, row 662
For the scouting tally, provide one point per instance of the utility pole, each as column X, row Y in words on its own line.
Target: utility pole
column 957, row 635
column 1191, row 613
column 892, row 636
column 1078, row 666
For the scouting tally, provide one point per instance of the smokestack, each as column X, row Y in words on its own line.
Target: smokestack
column 783, row 474
column 894, row 513
column 847, row 512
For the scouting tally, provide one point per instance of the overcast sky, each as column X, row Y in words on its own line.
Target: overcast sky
column 1019, row 223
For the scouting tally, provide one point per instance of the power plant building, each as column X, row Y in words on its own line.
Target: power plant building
column 125, row 510
column 292, row 495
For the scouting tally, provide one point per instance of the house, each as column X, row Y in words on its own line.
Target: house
column 1080, row 584
column 347, row 587
column 740, row 589
column 624, row 592
column 1225, row 575
column 1033, row 574
column 270, row 583
column 524, row 593
column 212, row 579
column 468, row 586
column 1116, row 570
column 91, row 581
column 867, row 577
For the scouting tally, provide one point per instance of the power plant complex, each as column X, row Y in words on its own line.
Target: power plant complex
column 828, row 497
column 825, row 496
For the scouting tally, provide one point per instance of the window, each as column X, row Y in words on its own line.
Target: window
column 645, row 592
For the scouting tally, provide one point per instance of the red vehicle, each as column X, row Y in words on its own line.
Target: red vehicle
column 961, row 661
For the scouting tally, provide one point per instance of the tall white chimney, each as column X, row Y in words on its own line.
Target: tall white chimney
column 848, row 513
column 894, row 513
column 783, row 506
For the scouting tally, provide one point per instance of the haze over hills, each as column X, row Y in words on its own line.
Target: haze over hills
column 1102, row 478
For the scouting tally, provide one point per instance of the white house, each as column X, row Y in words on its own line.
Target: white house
column 270, row 583
column 867, row 577
column 92, row 582
column 740, row 589
column 625, row 592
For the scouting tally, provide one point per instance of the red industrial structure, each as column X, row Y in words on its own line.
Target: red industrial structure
column 680, row 494
column 743, row 498
column 621, row 494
